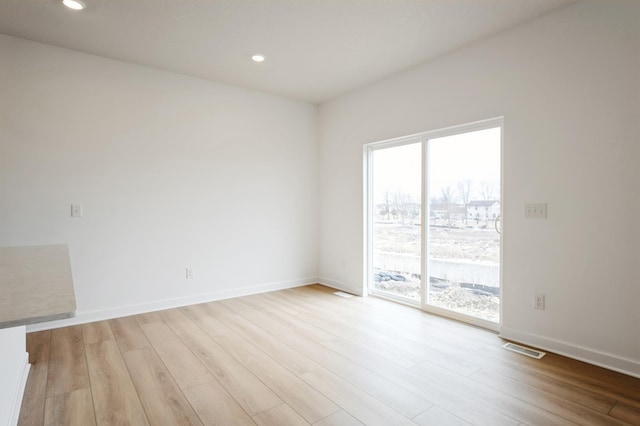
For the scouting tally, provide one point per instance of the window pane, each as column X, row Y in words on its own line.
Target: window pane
column 397, row 175
column 464, row 223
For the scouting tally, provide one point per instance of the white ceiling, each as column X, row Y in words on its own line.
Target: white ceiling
column 315, row 49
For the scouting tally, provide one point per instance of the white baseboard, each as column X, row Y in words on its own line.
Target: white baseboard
column 123, row 311
column 19, row 394
column 339, row 286
column 601, row 359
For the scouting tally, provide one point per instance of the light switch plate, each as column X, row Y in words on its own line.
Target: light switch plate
column 535, row 210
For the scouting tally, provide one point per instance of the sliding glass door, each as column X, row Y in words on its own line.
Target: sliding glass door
column 434, row 221
column 396, row 220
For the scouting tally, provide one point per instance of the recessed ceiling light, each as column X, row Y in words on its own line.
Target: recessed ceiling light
column 257, row 58
column 74, row 4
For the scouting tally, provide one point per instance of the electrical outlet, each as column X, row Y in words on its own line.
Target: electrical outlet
column 535, row 211
column 76, row 210
column 189, row 273
column 538, row 301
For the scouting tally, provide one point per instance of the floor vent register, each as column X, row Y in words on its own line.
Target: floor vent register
column 533, row 353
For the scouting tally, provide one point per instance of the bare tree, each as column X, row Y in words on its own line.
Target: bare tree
column 435, row 202
column 488, row 193
column 402, row 202
column 386, row 209
column 487, row 190
column 448, row 199
column 464, row 192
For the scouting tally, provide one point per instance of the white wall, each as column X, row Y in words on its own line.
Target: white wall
column 14, row 368
column 568, row 86
column 175, row 171
column 171, row 171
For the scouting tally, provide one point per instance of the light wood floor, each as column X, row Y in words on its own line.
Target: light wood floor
column 305, row 356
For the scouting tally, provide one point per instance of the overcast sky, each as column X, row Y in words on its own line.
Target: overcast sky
column 474, row 156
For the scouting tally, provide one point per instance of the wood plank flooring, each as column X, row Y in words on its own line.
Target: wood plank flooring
column 304, row 356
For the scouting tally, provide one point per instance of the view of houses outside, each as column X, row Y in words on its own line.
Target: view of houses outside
column 464, row 260
column 464, row 224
